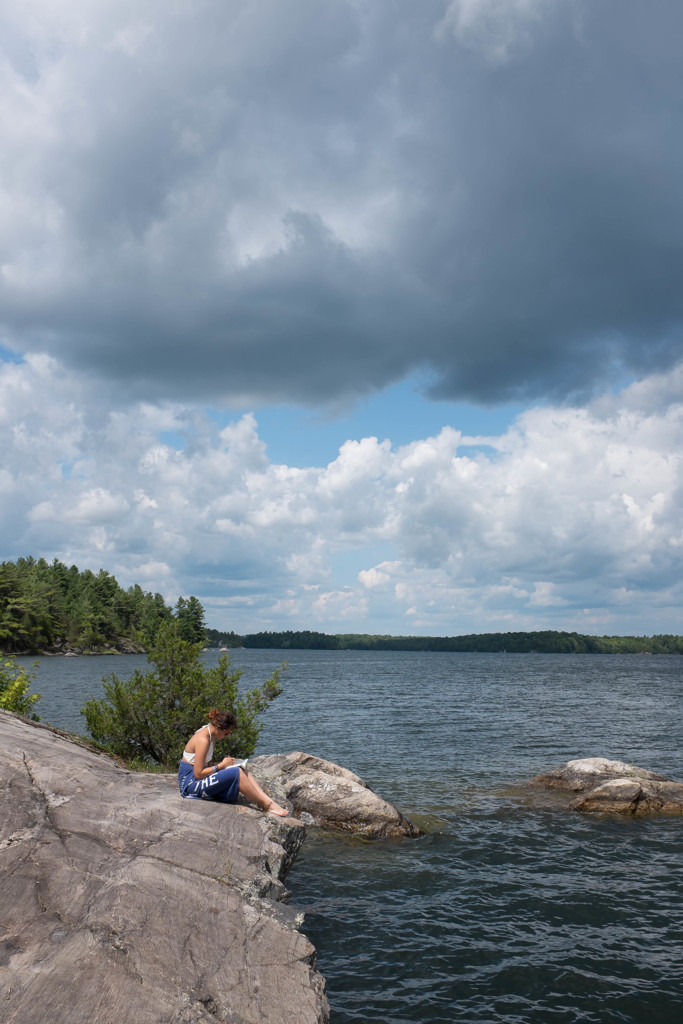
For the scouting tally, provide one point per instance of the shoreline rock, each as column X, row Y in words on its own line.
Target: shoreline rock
column 79, row 652
column 121, row 901
column 331, row 796
column 614, row 787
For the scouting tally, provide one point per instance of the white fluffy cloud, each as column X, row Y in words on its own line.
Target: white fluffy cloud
column 570, row 519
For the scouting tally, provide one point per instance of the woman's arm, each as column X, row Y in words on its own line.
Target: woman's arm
column 201, row 749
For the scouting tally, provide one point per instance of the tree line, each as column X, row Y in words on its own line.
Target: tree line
column 540, row 642
column 50, row 607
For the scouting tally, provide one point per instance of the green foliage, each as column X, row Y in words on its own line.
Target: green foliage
column 302, row 640
column 151, row 716
column 221, row 638
column 51, row 607
column 15, row 682
column 190, row 616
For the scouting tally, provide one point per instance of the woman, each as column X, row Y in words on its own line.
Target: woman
column 198, row 779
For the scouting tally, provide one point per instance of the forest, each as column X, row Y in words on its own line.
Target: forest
column 47, row 607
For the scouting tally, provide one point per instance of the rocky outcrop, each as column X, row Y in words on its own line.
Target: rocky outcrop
column 614, row 786
column 329, row 795
column 121, row 902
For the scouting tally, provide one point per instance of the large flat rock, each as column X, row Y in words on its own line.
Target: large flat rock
column 119, row 901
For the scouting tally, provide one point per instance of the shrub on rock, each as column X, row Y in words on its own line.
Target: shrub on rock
column 151, row 716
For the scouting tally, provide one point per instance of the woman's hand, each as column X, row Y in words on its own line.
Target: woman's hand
column 226, row 763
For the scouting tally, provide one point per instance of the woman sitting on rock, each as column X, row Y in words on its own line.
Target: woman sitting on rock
column 198, row 779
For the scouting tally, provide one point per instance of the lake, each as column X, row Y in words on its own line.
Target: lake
column 509, row 910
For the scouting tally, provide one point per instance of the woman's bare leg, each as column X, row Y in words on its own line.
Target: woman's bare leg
column 250, row 788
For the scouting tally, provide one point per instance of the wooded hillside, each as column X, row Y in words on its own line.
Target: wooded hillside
column 51, row 607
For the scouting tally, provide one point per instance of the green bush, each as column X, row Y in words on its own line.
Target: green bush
column 14, row 686
column 150, row 717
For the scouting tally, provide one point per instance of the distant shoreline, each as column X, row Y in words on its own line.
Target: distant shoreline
column 539, row 642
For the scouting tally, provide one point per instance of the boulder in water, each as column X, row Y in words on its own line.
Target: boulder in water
column 614, row 786
column 330, row 795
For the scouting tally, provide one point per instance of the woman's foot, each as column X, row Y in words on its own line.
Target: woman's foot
column 273, row 808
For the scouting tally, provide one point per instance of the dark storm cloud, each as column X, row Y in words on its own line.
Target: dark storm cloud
column 306, row 201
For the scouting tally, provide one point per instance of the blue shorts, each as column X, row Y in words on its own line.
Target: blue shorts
column 223, row 785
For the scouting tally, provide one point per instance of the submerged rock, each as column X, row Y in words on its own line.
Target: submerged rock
column 330, row 795
column 614, row 786
column 120, row 901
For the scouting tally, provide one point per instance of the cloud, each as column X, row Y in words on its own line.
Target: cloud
column 93, row 506
column 377, row 576
column 568, row 519
column 495, row 29
column 305, row 202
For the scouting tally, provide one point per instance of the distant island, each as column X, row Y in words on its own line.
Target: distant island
column 548, row 641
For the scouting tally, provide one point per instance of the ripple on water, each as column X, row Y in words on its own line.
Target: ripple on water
column 518, row 915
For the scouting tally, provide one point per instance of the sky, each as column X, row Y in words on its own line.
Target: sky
column 355, row 316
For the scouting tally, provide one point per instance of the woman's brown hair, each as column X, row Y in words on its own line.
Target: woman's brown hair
column 223, row 720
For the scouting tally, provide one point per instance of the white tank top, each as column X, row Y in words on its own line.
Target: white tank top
column 189, row 756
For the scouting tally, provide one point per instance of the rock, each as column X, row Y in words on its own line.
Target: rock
column 614, row 786
column 332, row 796
column 629, row 796
column 119, row 901
column 589, row 772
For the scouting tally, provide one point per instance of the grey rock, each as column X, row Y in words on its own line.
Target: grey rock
column 329, row 795
column 119, row 901
column 629, row 796
column 615, row 787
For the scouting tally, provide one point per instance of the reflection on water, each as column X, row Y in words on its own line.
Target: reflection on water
column 510, row 909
